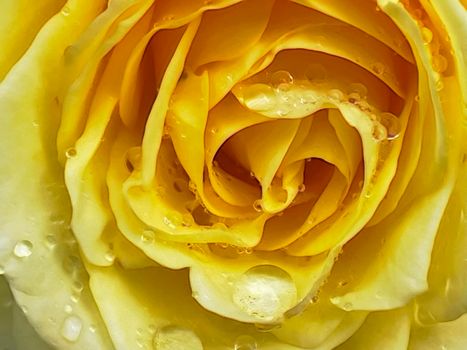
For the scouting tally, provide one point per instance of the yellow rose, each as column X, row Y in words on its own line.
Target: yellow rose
column 227, row 174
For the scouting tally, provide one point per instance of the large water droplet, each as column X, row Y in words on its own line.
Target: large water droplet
column 173, row 337
column 23, row 249
column 281, row 79
column 71, row 328
column 265, row 291
column 392, row 125
column 245, row 342
column 427, row 35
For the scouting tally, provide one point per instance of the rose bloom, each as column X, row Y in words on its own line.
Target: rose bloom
column 226, row 174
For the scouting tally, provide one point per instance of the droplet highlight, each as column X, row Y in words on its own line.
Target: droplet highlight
column 265, row 292
column 392, row 125
column 71, row 328
column 23, row 249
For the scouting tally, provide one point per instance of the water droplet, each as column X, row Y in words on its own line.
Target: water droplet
column 257, row 205
column 173, row 337
column 265, row 291
column 378, row 68
column 110, row 256
column 347, row 307
column 78, row 286
column 152, row 329
column 301, row 188
column 169, row 222
column 281, row 80
column 35, row 124
column 71, row 263
column 92, row 328
column 336, row 94
column 2, row 270
column 24, row 309
column 417, row 98
column 392, row 125
column 439, row 85
column 316, row 73
column 440, row 63
column 50, row 241
column 343, row 283
column 379, row 132
column 65, row 11
column 23, row 249
column 427, row 35
column 70, row 153
column 358, row 89
column 71, row 328
column 192, row 186
column 148, row 236
column 245, row 342
column 214, row 130
column 68, row 308
column 258, row 97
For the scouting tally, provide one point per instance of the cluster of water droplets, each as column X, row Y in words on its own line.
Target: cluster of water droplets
column 283, row 96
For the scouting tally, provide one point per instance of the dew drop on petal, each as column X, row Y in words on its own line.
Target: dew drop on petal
column 92, row 328
column 50, row 241
column 258, row 205
column 379, row 132
column 358, row 89
column 336, row 94
column 378, row 68
column 392, row 125
column 78, row 286
column 427, row 35
column 439, row 85
column 65, row 11
column 68, row 308
column 23, row 249
column 71, row 328
column 265, row 291
column 173, row 337
column 110, row 256
column 148, row 236
column 301, row 188
column 70, row 153
column 440, row 63
column 281, row 78
column 245, row 342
